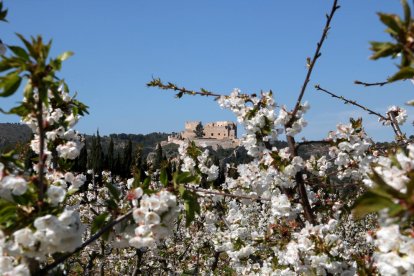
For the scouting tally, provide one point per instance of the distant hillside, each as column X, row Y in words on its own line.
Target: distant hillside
column 12, row 134
column 148, row 142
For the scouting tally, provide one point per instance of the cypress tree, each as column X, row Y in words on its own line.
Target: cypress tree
column 127, row 159
column 110, row 156
column 158, row 157
column 81, row 161
column 91, row 159
column 97, row 156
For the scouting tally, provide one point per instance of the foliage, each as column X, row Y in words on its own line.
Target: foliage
column 281, row 212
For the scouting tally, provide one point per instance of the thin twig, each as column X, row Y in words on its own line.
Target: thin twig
column 396, row 127
column 313, row 61
column 181, row 90
column 372, row 83
column 390, row 115
column 370, row 111
column 137, row 269
column 63, row 258
column 198, row 190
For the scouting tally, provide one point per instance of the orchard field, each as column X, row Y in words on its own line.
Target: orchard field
column 346, row 211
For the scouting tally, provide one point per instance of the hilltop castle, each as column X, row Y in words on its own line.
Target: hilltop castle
column 221, row 133
column 215, row 130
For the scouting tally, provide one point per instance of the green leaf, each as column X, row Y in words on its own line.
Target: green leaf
column 403, row 74
column 5, row 65
column 146, row 183
column 99, row 222
column 64, row 56
column 191, row 205
column 111, row 204
column 8, row 212
column 410, row 186
column 20, row 110
column 164, row 177
column 191, row 208
column 21, row 199
column 9, row 84
column 28, row 45
column 407, row 13
column 185, row 177
column 384, row 187
column 3, row 13
column 370, row 203
column 384, row 49
column 20, row 52
column 113, row 191
column 181, row 190
column 392, row 21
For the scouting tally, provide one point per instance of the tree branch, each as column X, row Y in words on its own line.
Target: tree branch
column 96, row 236
column 370, row 111
column 390, row 115
column 371, row 84
column 290, row 139
column 312, row 63
column 227, row 195
column 181, row 90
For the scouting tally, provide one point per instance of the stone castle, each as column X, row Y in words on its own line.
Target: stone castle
column 221, row 133
column 224, row 130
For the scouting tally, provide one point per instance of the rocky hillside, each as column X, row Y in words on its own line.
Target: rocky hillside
column 13, row 134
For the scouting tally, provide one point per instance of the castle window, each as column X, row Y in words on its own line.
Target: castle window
column 211, row 134
column 219, row 134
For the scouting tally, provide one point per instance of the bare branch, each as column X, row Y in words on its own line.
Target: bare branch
column 371, row 84
column 317, row 54
column 181, row 90
column 390, row 115
column 227, row 195
column 347, row 101
column 290, row 139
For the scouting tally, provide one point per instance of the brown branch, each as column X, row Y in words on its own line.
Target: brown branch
column 370, row 111
column 227, row 195
column 396, row 127
column 216, row 260
column 390, row 115
column 96, row 236
column 316, row 55
column 304, row 143
column 371, row 84
column 181, row 90
column 290, row 139
column 39, row 118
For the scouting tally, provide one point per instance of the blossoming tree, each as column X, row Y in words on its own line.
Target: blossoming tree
column 346, row 211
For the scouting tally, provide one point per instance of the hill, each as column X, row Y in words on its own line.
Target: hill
column 13, row 134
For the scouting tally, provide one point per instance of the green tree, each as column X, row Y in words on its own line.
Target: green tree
column 96, row 161
column 110, row 156
column 81, row 161
column 127, row 161
column 199, row 130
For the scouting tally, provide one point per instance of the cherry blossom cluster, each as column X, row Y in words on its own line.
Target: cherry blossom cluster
column 257, row 115
column 197, row 161
column 155, row 217
column 350, row 151
column 394, row 253
column 399, row 113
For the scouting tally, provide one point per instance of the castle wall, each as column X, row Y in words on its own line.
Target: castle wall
column 222, row 130
column 189, row 131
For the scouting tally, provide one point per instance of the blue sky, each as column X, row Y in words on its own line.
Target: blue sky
column 218, row 45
